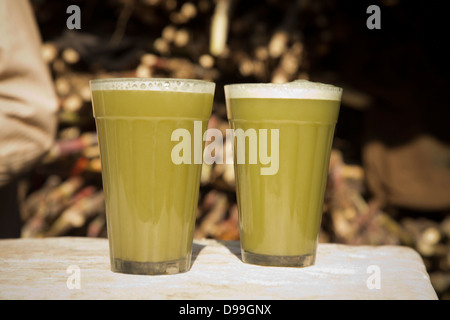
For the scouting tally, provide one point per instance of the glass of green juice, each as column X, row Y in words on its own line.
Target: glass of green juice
column 280, row 208
column 150, row 201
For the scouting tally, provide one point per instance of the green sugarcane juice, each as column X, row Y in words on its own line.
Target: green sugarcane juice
column 150, row 201
column 280, row 213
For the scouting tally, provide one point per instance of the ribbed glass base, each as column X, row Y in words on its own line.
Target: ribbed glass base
column 278, row 261
column 150, row 268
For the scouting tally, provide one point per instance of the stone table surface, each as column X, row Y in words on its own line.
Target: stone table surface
column 78, row 268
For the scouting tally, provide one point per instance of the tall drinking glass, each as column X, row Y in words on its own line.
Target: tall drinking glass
column 283, row 135
column 150, row 200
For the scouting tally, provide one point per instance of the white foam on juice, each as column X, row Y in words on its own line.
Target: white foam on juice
column 299, row 89
column 154, row 84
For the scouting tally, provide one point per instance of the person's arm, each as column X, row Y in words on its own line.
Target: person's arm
column 28, row 103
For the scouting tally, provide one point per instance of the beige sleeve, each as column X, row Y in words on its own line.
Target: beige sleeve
column 28, row 102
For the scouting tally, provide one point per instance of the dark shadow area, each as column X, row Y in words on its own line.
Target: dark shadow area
column 232, row 246
column 196, row 249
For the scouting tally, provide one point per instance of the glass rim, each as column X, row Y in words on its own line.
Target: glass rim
column 153, row 84
column 299, row 89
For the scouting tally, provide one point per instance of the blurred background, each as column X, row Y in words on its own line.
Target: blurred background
column 389, row 177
